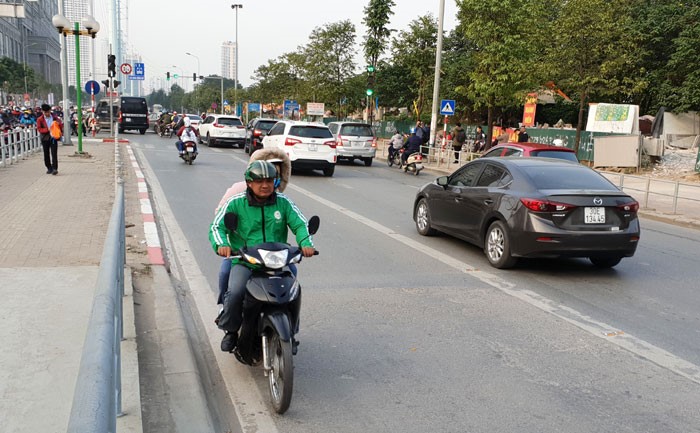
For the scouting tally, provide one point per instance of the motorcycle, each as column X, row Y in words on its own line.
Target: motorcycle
column 271, row 312
column 414, row 163
column 189, row 154
column 395, row 158
column 166, row 131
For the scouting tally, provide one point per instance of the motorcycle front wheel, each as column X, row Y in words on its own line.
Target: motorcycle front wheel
column 281, row 374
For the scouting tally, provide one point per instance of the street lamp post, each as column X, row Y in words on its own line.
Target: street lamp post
column 63, row 26
column 235, row 87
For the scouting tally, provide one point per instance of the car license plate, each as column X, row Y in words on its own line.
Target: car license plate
column 357, row 143
column 312, row 147
column 594, row 215
column 127, row 119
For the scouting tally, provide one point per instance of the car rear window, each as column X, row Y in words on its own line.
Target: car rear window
column 265, row 126
column 310, row 132
column 194, row 118
column 569, row 156
column 229, row 121
column 358, row 130
column 134, row 105
column 573, row 177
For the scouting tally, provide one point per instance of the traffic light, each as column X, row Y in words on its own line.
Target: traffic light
column 167, row 76
column 194, row 76
column 370, row 84
column 176, row 76
column 370, row 69
column 115, row 83
column 111, row 65
column 106, row 83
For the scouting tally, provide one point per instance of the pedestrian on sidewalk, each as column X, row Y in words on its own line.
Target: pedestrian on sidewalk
column 48, row 142
column 459, row 136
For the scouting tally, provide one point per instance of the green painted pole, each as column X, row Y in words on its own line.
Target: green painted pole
column 78, row 89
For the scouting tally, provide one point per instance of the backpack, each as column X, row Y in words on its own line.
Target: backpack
column 461, row 136
column 55, row 130
column 426, row 134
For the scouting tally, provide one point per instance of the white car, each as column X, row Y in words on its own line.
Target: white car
column 220, row 129
column 309, row 145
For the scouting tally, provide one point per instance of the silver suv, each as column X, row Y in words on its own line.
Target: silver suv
column 354, row 140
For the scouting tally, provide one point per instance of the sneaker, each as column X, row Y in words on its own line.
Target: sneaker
column 228, row 343
column 55, row 172
column 49, row 171
column 182, row 152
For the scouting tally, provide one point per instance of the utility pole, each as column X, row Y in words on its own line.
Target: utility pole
column 436, row 82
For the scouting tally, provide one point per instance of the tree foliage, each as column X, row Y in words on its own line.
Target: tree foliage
column 377, row 14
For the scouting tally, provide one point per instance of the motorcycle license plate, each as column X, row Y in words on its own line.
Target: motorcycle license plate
column 594, row 215
column 190, row 149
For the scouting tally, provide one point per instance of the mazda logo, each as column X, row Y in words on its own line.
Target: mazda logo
column 597, row 201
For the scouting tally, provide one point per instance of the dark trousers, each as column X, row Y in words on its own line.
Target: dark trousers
column 50, row 154
column 457, row 148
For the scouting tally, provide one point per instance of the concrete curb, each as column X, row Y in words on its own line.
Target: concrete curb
column 130, row 420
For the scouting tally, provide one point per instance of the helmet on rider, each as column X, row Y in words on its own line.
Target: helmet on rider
column 187, row 122
column 261, row 170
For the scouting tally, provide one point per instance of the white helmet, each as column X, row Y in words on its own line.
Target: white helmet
column 187, row 122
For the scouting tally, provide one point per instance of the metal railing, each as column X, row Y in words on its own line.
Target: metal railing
column 97, row 399
column 659, row 194
column 18, row 144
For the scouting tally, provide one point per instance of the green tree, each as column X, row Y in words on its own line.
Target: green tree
column 506, row 40
column 593, row 52
column 329, row 60
column 413, row 50
column 377, row 14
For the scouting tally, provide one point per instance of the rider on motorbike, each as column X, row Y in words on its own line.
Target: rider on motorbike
column 284, row 170
column 395, row 143
column 412, row 145
column 187, row 133
column 264, row 216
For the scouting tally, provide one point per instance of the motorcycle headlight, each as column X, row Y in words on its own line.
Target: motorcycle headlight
column 274, row 259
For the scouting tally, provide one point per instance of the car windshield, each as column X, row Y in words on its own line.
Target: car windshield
column 569, row 156
column 310, row 132
column 229, row 121
column 194, row 118
column 357, row 130
column 573, row 177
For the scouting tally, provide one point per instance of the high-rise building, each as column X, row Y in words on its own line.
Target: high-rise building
column 75, row 10
column 228, row 60
column 33, row 40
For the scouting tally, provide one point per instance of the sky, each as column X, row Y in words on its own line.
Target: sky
column 163, row 31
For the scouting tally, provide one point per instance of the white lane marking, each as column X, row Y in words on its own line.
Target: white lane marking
column 599, row 329
column 251, row 408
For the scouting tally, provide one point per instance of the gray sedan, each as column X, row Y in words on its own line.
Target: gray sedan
column 531, row 207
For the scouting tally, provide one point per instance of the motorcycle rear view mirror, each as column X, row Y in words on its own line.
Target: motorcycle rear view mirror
column 231, row 221
column 314, row 222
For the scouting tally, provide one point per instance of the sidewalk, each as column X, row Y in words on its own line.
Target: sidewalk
column 659, row 206
column 52, row 232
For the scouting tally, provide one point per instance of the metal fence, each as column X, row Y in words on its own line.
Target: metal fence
column 97, row 398
column 16, row 145
column 659, row 194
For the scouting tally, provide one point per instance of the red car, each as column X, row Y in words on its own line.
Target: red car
column 528, row 150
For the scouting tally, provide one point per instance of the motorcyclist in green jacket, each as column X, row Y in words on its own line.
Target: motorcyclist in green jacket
column 263, row 216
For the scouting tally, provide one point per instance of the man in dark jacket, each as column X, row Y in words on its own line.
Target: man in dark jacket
column 412, row 145
column 50, row 144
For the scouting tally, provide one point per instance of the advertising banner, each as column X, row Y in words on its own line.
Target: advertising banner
column 530, row 109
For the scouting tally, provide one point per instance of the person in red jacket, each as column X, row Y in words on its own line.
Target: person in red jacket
column 50, row 144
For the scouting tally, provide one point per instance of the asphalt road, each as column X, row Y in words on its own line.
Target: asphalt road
column 407, row 333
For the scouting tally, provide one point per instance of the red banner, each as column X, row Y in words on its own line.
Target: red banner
column 530, row 109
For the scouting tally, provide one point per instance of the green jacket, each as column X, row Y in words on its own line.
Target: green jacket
column 258, row 223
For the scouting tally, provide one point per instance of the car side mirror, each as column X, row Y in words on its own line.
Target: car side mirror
column 442, row 181
column 231, row 221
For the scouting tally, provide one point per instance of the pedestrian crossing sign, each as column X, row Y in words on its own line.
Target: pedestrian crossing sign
column 447, row 107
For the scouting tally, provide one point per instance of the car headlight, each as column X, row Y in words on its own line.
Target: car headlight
column 274, row 259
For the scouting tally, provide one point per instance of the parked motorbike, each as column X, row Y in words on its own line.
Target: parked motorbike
column 190, row 153
column 414, row 163
column 271, row 312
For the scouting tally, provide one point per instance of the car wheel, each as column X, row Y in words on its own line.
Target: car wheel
column 368, row 162
column 208, row 140
column 423, row 219
column 142, row 131
column 497, row 246
column 328, row 171
column 605, row 262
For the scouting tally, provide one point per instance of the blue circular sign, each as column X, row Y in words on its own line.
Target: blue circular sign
column 92, row 87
